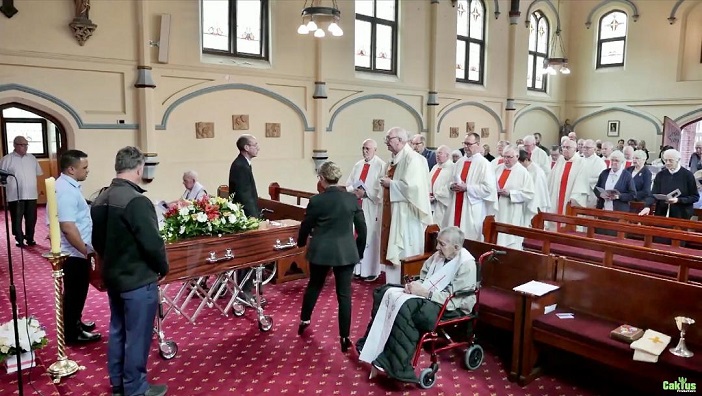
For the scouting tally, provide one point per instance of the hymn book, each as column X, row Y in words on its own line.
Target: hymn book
column 626, row 333
column 664, row 197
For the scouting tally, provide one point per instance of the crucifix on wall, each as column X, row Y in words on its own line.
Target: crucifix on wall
column 82, row 26
column 8, row 8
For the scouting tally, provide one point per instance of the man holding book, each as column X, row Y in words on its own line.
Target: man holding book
column 674, row 188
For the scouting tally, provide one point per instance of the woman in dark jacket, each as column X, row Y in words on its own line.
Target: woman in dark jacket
column 615, row 178
column 331, row 217
column 642, row 178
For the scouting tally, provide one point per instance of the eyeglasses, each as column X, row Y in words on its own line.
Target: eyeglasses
column 567, row 148
column 470, row 144
column 509, row 156
column 388, row 139
column 22, row 144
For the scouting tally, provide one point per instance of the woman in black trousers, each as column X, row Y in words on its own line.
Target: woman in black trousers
column 331, row 217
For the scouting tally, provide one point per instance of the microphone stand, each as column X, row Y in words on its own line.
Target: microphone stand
column 13, row 294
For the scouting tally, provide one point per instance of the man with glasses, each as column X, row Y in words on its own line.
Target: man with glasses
column 474, row 190
column 500, row 147
column 674, row 177
column 539, row 157
column 419, row 144
column 592, row 167
column 22, row 196
column 566, row 182
column 406, row 207
column 516, row 203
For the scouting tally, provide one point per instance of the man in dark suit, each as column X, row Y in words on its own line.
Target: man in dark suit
column 615, row 178
column 241, row 179
column 242, row 187
column 419, row 144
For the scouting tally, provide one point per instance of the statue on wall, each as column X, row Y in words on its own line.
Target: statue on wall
column 566, row 128
column 82, row 26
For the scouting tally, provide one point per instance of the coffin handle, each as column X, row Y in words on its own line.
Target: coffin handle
column 228, row 255
column 289, row 245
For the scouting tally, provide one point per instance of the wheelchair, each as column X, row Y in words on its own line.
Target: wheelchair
column 452, row 333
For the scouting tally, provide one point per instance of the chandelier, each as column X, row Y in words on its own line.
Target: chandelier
column 316, row 13
column 555, row 64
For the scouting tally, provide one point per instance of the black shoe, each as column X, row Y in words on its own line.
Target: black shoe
column 31, row 242
column 20, row 244
column 83, row 337
column 345, row 344
column 156, row 390
column 303, row 325
column 117, row 391
column 87, row 326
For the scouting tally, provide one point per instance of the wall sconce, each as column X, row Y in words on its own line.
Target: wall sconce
column 433, row 98
column 150, row 167
column 320, row 90
column 319, row 157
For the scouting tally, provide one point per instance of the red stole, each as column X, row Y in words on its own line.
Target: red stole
column 500, row 161
column 433, row 179
column 552, row 164
column 364, row 175
column 460, row 195
column 564, row 186
column 628, row 164
column 607, row 163
column 503, row 178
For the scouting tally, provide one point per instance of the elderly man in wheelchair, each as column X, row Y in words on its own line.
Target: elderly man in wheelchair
column 402, row 314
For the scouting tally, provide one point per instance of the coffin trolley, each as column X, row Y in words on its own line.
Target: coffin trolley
column 193, row 260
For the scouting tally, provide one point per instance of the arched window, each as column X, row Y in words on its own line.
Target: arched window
column 539, row 33
column 235, row 27
column 611, row 40
column 376, row 36
column 470, row 41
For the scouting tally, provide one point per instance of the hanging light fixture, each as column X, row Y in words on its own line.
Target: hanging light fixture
column 557, row 61
column 317, row 13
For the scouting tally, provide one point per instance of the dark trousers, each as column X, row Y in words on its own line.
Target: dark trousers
column 25, row 209
column 76, row 280
column 342, row 276
column 131, row 328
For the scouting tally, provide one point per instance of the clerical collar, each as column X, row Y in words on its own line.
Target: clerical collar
column 674, row 171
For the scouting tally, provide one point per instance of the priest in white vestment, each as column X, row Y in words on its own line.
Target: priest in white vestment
column 515, row 191
column 592, row 167
column 538, row 156
column 565, row 183
column 407, row 194
column 473, row 190
column 606, row 151
column 364, row 181
column 628, row 156
column 439, row 180
column 542, row 198
column 498, row 159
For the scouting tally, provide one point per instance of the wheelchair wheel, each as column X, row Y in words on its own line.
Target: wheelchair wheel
column 238, row 310
column 473, row 357
column 168, row 349
column 427, row 378
column 265, row 323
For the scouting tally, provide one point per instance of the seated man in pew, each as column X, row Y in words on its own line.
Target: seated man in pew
column 674, row 177
column 411, row 310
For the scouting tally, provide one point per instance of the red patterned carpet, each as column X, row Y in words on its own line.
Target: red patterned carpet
column 230, row 356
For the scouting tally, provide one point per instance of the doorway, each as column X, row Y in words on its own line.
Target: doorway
column 45, row 134
column 689, row 135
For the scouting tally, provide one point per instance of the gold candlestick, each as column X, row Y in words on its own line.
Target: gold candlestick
column 63, row 367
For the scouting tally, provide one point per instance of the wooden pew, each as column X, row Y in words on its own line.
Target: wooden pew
column 650, row 220
column 654, row 262
column 288, row 268
column 589, row 292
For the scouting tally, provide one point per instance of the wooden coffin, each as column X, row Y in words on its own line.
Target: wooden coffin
column 194, row 257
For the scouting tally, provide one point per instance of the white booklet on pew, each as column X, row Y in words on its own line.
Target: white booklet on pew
column 664, row 197
column 536, row 288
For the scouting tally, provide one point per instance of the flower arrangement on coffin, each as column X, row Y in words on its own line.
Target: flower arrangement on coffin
column 205, row 216
column 32, row 336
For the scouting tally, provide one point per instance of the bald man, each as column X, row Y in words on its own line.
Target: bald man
column 440, row 178
column 515, row 191
column 364, row 181
column 539, row 157
column 628, row 156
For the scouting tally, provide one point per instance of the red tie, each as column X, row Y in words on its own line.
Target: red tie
column 364, row 174
column 458, row 208
column 503, row 178
column 564, row 185
column 433, row 179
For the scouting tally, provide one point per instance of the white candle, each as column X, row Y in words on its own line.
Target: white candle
column 52, row 210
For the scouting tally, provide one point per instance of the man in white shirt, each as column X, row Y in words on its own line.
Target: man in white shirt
column 474, row 190
column 364, row 181
column 440, row 178
column 406, row 206
column 538, row 157
column 592, row 167
column 193, row 189
column 22, row 195
column 515, row 191
column 541, row 195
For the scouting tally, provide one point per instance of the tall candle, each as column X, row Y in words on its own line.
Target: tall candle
column 52, row 209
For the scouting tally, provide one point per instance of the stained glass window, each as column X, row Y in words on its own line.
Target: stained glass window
column 19, row 122
column 376, row 36
column 235, row 27
column 611, row 43
column 470, row 41
column 539, row 36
